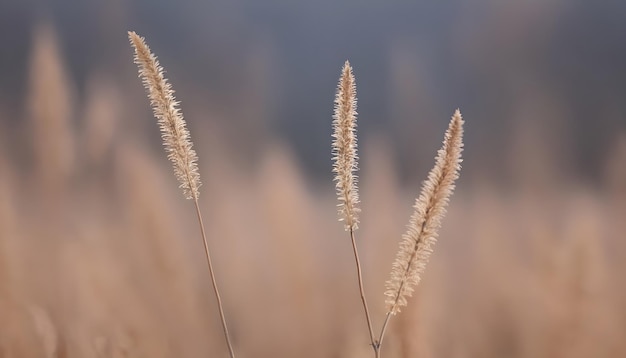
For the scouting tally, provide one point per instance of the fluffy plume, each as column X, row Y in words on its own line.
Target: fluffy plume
column 430, row 207
column 173, row 128
column 345, row 149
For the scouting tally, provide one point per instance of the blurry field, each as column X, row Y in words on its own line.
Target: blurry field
column 100, row 255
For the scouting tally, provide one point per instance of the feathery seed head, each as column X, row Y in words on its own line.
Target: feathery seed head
column 430, row 207
column 174, row 131
column 344, row 149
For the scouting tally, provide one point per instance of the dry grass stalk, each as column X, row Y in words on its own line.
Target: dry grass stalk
column 345, row 149
column 176, row 142
column 345, row 166
column 430, row 208
column 173, row 129
column 416, row 246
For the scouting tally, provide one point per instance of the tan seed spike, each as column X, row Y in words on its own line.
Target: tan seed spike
column 174, row 131
column 344, row 149
column 430, row 207
column 177, row 146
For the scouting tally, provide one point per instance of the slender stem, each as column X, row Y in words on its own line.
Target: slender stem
column 382, row 331
column 395, row 303
column 362, row 292
column 213, row 282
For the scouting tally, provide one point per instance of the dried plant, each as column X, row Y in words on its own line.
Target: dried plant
column 345, row 159
column 430, row 206
column 173, row 129
column 345, row 149
column 176, row 142
column 112, row 281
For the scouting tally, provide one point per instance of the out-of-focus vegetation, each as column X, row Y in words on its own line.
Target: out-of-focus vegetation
column 99, row 254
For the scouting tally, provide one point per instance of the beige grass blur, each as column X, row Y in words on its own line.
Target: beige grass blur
column 117, row 270
column 50, row 112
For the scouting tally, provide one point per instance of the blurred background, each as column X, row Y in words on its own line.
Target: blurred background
column 100, row 255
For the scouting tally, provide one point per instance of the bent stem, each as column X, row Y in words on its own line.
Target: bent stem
column 213, row 282
column 373, row 342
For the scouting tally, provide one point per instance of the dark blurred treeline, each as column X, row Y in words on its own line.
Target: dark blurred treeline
column 541, row 83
